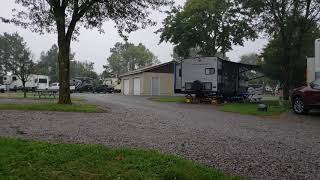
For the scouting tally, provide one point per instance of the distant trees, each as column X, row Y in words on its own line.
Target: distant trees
column 64, row 17
column 127, row 57
column 211, row 26
column 16, row 57
column 48, row 65
column 83, row 69
column 251, row 58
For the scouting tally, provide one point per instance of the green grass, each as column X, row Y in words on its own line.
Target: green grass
column 168, row 99
column 19, row 95
column 22, row 159
column 88, row 108
column 274, row 108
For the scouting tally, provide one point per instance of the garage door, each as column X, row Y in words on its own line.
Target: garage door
column 136, row 87
column 126, row 87
column 155, row 86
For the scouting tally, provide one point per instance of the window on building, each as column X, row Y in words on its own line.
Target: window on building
column 43, row 81
column 14, row 78
column 210, row 71
column 180, row 72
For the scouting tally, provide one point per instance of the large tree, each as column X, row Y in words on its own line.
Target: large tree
column 128, row 57
column 288, row 23
column 274, row 65
column 66, row 16
column 16, row 57
column 211, row 26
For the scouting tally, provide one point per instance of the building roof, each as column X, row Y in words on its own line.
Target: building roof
column 148, row 68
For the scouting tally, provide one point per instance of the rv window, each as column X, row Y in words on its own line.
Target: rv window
column 180, row 72
column 210, row 71
column 43, row 81
column 14, row 78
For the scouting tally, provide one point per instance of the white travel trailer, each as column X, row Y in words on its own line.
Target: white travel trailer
column 211, row 77
column 35, row 82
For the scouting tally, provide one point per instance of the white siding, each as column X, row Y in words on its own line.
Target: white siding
column 195, row 70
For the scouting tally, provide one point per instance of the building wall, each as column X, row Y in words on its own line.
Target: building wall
column 130, row 78
column 166, row 83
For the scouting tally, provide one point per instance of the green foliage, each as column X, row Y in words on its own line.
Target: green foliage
column 22, row 159
column 209, row 25
column 51, row 107
column 127, row 57
column 274, row 108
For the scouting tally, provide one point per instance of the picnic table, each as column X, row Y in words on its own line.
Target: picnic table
column 45, row 93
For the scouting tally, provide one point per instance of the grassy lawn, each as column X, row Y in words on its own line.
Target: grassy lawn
column 22, row 159
column 274, row 108
column 168, row 99
column 88, row 108
column 19, row 95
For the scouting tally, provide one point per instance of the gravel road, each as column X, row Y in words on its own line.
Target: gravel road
column 256, row 148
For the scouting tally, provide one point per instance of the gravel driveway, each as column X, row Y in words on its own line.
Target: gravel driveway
column 256, row 148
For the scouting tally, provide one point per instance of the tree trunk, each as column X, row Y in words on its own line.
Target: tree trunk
column 64, row 70
column 286, row 91
column 24, row 89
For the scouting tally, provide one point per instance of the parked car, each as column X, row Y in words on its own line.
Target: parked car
column 3, row 88
column 306, row 98
column 55, row 87
column 103, row 89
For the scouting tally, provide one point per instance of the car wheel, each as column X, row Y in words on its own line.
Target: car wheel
column 298, row 106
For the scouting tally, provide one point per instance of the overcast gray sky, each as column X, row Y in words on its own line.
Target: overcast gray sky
column 95, row 47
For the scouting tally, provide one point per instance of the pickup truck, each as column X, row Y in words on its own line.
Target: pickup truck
column 55, row 87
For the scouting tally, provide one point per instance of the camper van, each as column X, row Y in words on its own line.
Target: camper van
column 35, row 82
column 211, row 76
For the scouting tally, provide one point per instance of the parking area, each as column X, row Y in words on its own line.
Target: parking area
column 257, row 148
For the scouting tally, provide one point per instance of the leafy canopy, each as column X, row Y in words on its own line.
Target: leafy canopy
column 45, row 15
column 209, row 25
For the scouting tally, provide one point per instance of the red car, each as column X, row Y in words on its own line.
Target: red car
column 306, row 98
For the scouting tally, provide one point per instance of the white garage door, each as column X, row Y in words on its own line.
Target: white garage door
column 126, row 87
column 136, row 87
column 155, row 86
